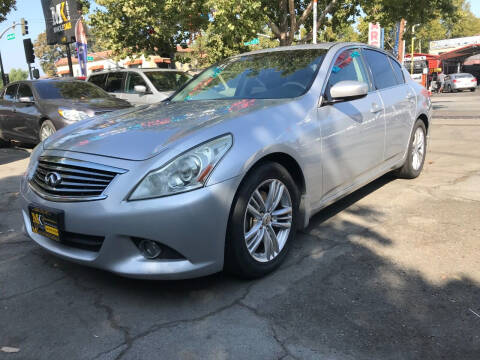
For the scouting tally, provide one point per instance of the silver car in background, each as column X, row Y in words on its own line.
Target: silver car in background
column 223, row 174
column 140, row 86
column 460, row 81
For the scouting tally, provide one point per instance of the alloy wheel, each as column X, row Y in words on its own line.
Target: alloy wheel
column 45, row 132
column 418, row 148
column 268, row 220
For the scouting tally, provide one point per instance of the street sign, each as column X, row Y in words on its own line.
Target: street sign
column 89, row 58
column 11, row 36
column 254, row 41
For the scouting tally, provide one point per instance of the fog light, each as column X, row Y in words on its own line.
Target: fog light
column 150, row 249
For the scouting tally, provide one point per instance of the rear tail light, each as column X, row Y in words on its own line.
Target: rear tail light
column 454, row 80
column 474, row 79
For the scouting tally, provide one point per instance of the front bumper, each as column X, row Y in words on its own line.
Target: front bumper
column 193, row 224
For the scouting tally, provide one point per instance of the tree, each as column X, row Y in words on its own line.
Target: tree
column 133, row 27
column 17, row 75
column 244, row 18
column 5, row 7
column 48, row 54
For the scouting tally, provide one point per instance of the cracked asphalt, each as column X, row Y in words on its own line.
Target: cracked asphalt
column 390, row 272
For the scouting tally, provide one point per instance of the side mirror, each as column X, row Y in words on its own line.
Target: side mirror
column 348, row 90
column 26, row 99
column 142, row 89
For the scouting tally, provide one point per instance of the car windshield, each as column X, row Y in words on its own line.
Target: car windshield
column 167, row 80
column 271, row 75
column 69, row 90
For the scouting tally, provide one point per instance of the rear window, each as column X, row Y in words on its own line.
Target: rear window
column 114, row 82
column 69, row 90
column 397, row 69
column 463, row 76
column 98, row 80
column 382, row 71
column 166, row 80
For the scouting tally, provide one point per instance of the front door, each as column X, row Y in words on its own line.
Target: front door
column 26, row 117
column 136, row 98
column 353, row 132
column 7, row 109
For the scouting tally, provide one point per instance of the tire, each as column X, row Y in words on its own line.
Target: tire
column 413, row 166
column 46, row 129
column 239, row 260
column 472, row 89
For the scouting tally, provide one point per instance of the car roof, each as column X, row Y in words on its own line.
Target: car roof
column 138, row 70
column 44, row 81
column 456, row 74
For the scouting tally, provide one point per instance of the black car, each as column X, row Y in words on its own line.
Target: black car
column 30, row 111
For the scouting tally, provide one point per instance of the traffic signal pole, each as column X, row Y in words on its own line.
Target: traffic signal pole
column 69, row 58
column 3, row 73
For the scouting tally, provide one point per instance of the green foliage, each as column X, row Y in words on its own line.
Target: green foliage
column 17, row 75
column 48, row 54
column 5, row 7
column 133, row 27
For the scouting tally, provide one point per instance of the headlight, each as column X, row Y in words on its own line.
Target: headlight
column 73, row 115
column 186, row 172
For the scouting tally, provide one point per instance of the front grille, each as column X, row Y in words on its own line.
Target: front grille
column 77, row 180
column 82, row 241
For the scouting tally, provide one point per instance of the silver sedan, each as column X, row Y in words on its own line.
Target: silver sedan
column 222, row 174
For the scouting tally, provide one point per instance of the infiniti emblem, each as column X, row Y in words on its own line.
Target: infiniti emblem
column 53, row 179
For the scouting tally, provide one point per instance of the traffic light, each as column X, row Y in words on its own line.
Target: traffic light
column 29, row 54
column 24, row 24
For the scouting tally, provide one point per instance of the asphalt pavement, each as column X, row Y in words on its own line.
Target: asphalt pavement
column 390, row 272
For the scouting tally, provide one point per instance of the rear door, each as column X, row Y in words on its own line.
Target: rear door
column 398, row 100
column 26, row 117
column 114, row 84
column 353, row 132
column 99, row 80
column 7, row 112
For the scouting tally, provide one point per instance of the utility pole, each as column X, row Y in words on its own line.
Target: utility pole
column 401, row 45
column 314, row 21
column 412, row 49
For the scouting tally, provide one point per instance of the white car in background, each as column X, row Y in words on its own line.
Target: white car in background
column 459, row 81
column 140, row 86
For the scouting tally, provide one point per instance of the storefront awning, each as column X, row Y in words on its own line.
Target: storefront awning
column 134, row 62
column 95, row 67
column 459, row 55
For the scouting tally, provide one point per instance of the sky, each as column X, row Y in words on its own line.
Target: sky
column 13, row 55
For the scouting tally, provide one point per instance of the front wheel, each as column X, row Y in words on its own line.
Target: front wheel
column 416, row 152
column 262, row 222
column 46, row 129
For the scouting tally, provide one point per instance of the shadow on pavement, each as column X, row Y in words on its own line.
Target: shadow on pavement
column 8, row 155
column 334, row 298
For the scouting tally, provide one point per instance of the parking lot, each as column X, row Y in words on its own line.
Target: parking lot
column 390, row 272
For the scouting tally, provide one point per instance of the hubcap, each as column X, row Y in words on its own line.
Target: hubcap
column 418, row 149
column 45, row 132
column 268, row 220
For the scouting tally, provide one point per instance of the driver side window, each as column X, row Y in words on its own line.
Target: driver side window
column 348, row 65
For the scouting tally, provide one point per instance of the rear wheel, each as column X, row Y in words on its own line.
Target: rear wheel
column 262, row 222
column 472, row 89
column 46, row 129
column 416, row 152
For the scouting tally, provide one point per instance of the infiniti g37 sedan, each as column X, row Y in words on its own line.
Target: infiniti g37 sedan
column 222, row 174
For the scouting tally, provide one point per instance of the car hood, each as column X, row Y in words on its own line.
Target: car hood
column 96, row 105
column 142, row 132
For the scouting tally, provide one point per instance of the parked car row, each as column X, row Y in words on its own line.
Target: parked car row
column 224, row 173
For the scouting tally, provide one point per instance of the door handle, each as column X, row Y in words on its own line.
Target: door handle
column 375, row 108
